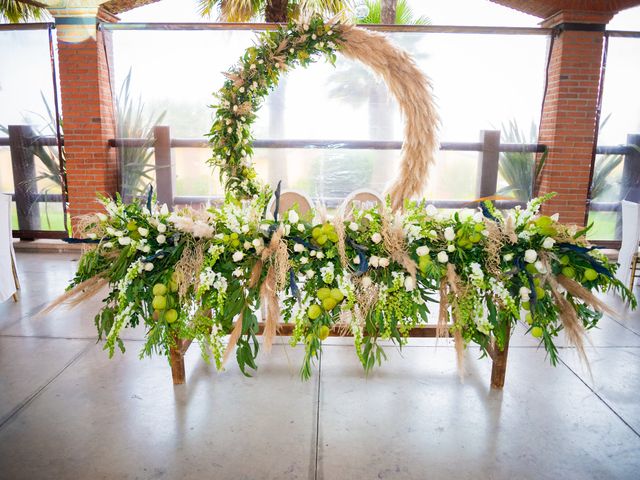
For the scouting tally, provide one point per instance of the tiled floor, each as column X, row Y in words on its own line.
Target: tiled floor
column 68, row 412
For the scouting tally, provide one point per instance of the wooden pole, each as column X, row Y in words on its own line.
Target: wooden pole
column 176, row 358
column 499, row 367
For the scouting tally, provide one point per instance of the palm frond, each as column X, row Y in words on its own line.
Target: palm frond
column 15, row 11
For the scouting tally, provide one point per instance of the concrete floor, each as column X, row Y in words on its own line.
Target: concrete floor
column 68, row 412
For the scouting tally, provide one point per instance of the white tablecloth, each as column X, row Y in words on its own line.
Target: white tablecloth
column 7, row 282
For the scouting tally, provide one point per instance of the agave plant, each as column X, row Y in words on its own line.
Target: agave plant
column 132, row 122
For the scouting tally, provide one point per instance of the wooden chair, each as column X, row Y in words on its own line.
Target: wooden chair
column 289, row 198
column 363, row 197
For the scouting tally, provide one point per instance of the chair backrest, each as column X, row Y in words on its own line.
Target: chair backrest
column 363, row 197
column 289, row 198
column 630, row 238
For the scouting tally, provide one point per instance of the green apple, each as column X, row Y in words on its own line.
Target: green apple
column 322, row 239
column 479, row 227
column 333, row 236
column 329, row 304
column 337, row 295
column 564, row 260
column 590, row 274
column 324, row 332
column 569, row 272
column 314, row 311
column 531, row 268
column 173, row 286
column 159, row 302
column 316, row 232
column 171, row 315
column 528, row 318
column 537, row 332
column 159, row 289
column 526, row 306
column 540, row 292
column 323, row 293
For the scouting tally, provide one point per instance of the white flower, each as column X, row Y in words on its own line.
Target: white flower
column 237, row 272
column 162, row 228
column 124, row 240
column 291, row 50
column 548, row 243
column 300, row 227
column 320, row 255
column 164, row 210
column 555, row 217
column 443, row 257
column 433, row 234
column 108, row 245
column 161, row 239
column 143, row 231
column 293, row 216
column 287, row 230
column 313, row 37
column 118, row 233
column 237, row 256
column 247, row 245
column 366, row 282
column 422, row 251
column 374, row 261
column 376, row 238
column 540, row 267
column 313, row 253
column 245, row 229
column 298, row 247
column 477, row 217
column 449, row 234
column 409, row 284
column 102, row 217
column 304, row 260
column 148, row 267
column 451, row 248
column 111, row 231
column 356, row 260
column 146, row 249
column 431, row 210
column 92, row 236
column 383, row 262
column 309, row 273
column 508, row 257
column 524, row 294
column 257, row 242
column 252, row 66
column 353, row 226
column 202, row 230
column 530, row 256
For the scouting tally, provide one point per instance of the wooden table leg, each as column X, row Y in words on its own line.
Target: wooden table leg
column 177, row 365
column 499, row 367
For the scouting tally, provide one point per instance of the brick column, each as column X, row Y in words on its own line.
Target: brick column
column 87, row 106
column 569, row 118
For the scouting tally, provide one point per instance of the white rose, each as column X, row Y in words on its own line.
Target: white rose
column 451, row 248
column 148, row 267
column 257, row 242
column 161, row 239
column 162, row 228
column 548, row 243
column 118, row 233
column 111, row 231
column 353, row 226
column 247, row 245
column 300, row 227
column 431, row 210
column 374, row 261
column 449, row 234
column 146, row 249
column 310, row 273
column 443, row 257
column 143, row 231
column 108, row 245
column 164, row 210
column 313, row 253
column 508, row 257
column 356, row 260
column 376, row 238
column 540, row 267
column 102, row 217
column 530, row 256
column 293, row 216
column 409, row 284
column 304, row 260
column 237, row 272
column 237, row 256
column 366, row 282
column 92, row 236
column 320, row 255
column 298, row 247
column 524, row 294
column 124, row 240
column 383, row 262
column 245, row 229
column 423, row 251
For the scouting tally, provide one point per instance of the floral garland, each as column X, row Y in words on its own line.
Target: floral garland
column 189, row 274
column 249, row 82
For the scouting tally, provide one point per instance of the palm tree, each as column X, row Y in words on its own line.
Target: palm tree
column 277, row 11
column 15, row 11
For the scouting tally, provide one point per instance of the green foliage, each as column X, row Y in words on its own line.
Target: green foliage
column 404, row 14
column 16, row 11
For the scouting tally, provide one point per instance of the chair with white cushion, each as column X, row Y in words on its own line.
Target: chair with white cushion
column 289, row 199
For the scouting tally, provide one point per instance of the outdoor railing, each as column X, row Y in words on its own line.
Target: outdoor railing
column 489, row 149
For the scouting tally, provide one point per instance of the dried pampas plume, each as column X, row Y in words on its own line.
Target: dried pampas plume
column 412, row 89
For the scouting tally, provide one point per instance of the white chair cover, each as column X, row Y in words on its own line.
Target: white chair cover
column 7, row 254
column 630, row 239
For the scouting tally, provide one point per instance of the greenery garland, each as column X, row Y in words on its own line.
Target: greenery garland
column 249, row 82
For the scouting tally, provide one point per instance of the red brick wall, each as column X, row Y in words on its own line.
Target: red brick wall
column 89, row 121
column 568, row 124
